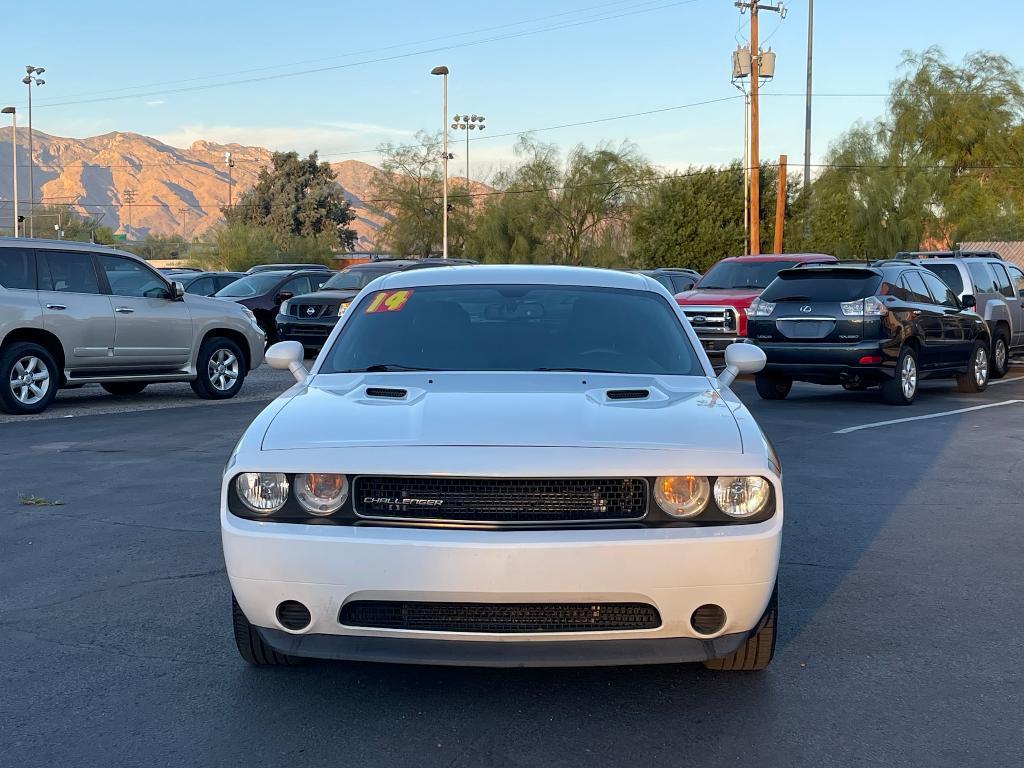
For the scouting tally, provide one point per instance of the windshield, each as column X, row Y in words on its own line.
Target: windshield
column 743, row 274
column 252, row 285
column 822, row 286
column 353, row 279
column 513, row 328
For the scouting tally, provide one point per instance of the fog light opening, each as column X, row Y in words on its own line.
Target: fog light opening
column 708, row 619
column 293, row 615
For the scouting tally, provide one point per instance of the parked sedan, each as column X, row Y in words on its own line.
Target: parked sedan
column 890, row 325
column 263, row 292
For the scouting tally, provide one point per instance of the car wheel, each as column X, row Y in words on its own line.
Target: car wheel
column 757, row 652
column 901, row 389
column 220, row 369
column 1000, row 363
column 976, row 378
column 29, row 379
column 773, row 387
column 251, row 646
column 124, row 387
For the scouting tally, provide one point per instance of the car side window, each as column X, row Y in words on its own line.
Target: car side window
column 982, row 277
column 68, row 272
column 297, row 286
column 1017, row 276
column 223, row 281
column 680, row 284
column 318, row 282
column 18, row 268
column 129, row 278
column 917, row 291
column 942, row 292
column 201, row 287
column 896, row 290
column 1003, row 281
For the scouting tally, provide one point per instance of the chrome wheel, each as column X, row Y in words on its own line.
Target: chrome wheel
column 29, row 380
column 908, row 377
column 981, row 367
column 999, row 355
column 223, row 369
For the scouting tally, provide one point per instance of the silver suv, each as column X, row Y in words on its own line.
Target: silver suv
column 998, row 289
column 76, row 313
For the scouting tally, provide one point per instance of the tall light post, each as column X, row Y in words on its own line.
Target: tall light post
column 31, row 78
column 468, row 123
column 14, row 159
column 230, row 164
column 807, row 118
column 443, row 71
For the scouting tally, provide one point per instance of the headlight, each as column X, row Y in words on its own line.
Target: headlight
column 284, row 307
column 262, row 492
column 319, row 493
column 742, row 496
column 682, row 496
column 342, row 308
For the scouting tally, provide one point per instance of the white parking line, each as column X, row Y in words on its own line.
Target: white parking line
column 1006, row 381
column 940, row 414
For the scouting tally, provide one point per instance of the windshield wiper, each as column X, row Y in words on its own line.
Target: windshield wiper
column 387, row 368
column 573, row 370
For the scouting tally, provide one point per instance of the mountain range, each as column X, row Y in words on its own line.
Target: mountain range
column 176, row 191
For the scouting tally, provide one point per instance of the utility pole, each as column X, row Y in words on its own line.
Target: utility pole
column 129, row 197
column 755, row 134
column 780, row 204
column 230, row 164
column 184, row 211
column 807, row 120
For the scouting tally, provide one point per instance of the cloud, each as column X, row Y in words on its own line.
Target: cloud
column 329, row 138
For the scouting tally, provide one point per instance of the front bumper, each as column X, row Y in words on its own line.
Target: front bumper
column 831, row 363
column 310, row 333
column 676, row 570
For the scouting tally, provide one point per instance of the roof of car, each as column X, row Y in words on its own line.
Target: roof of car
column 519, row 274
column 783, row 257
column 948, row 255
column 62, row 245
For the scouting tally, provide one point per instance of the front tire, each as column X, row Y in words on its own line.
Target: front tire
column 28, row 379
column 1000, row 363
column 901, row 389
column 251, row 646
column 757, row 652
column 976, row 378
column 220, row 369
column 773, row 387
column 124, row 387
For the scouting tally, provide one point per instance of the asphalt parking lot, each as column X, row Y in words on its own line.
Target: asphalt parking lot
column 902, row 603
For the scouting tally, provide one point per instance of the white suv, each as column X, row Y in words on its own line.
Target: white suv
column 506, row 466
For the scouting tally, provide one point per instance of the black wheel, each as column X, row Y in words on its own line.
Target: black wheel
column 757, row 652
column 124, row 387
column 999, row 365
column 28, row 379
column 773, row 387
column 251, row 646
column 220, row 369
column 976, row 378
column 901, row 389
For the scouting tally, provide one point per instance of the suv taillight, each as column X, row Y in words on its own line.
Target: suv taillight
column 872, row 306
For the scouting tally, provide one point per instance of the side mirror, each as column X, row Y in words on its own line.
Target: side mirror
column 283, row 296
column 287, row 356
column 741, row 359
column 177, row 291
column 968, row 302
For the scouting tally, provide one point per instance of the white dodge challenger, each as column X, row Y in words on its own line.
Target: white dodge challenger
column 506, row 466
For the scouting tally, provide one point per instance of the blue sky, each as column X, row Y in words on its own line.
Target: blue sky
column 554, row 63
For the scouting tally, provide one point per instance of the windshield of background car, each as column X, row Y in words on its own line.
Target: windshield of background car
column 949, row 273
column 743, row 274
column 513, row 328
column 820, row 285
column 354, row 279
column 251, row 285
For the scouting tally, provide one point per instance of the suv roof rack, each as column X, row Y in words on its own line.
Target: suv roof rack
column 957, row 254
column 888, row 262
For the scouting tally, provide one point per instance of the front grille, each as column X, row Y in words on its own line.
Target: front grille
column 711, row 319
column 500, row 500
column 499, row 618
column 309, row 311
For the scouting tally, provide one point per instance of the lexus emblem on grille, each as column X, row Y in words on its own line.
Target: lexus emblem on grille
column 312, row 311
column 806, row 308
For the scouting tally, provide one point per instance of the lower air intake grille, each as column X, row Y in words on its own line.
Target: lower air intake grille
column 500, row 618
column 500, row 500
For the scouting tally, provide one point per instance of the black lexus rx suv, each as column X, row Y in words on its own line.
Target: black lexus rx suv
column 890, row 324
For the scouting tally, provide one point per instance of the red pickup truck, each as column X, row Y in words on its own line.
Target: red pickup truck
column 717, row 305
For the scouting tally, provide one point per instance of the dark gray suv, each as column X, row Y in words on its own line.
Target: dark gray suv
column 76, row 313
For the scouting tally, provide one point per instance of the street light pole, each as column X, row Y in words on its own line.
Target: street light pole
column 807, row 119
column 14, row 159
column 30, row 79
column 443, row 71
column 468, row 123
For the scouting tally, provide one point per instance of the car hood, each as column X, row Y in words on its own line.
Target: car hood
column 324, row 297
column 214, row 303
column 505, row 409
column 715, row 297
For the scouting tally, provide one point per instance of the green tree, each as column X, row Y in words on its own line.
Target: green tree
column 73, row 225
column 296, row 197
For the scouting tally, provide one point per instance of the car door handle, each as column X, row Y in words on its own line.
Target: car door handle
column 55, row 306
column 124, row 310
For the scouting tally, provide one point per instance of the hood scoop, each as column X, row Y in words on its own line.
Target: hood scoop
column 391, row 393
column 628, row 394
